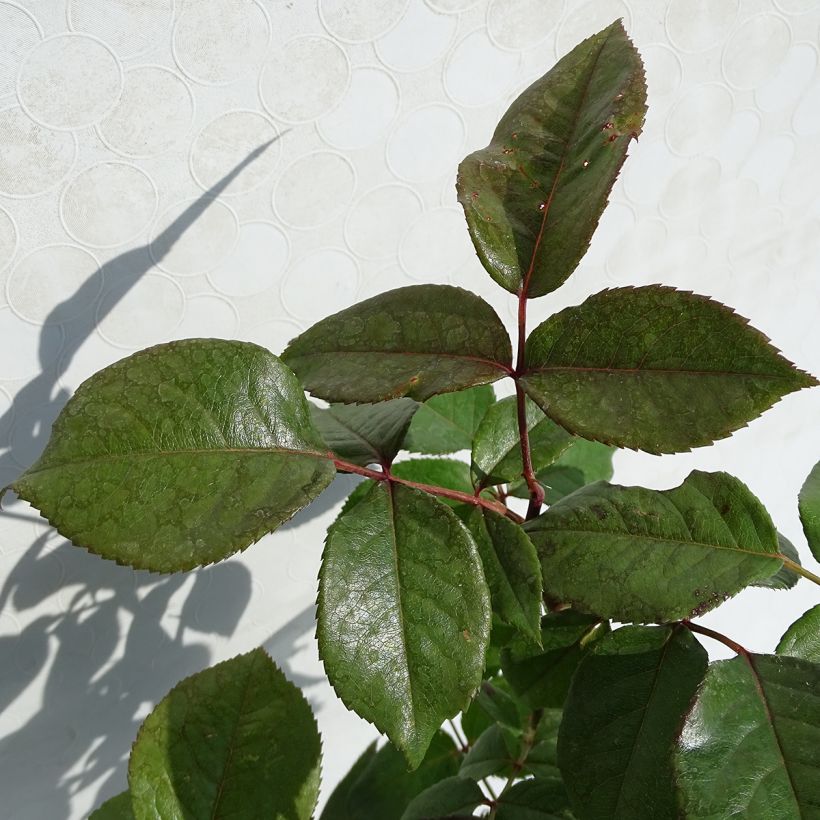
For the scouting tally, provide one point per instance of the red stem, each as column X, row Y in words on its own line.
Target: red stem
column 717, row 636
column 536, row 490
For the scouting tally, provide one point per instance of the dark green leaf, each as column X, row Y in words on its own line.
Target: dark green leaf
column 416, row 341
column 749, row 745
column 497, row 444
column 623, row 713
column 784, row 578
column 116, row 808
column 404, row 614
column 386, row 787
column 497, row 701
column 439, row 472
column 542, row 677
column 494, row 753
column 634, row 554
column 455, row 796
column 237, row 739
column 179, row 455
column 534, row 195
column 580, row 464
column 654, row 369
column 364, row 433
column 447, row 423
column 336, row 807
column 539, row 799
column 802, row 638
column 511, row 568
column 810, row 510
column 542, row 760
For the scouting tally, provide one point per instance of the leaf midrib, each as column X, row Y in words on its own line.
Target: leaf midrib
column 673, row 541
column 506, row 368
column 652, row 370
column 103, row 457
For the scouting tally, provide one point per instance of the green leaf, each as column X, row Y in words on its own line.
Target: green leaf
column 438, row 472
column 809, row 504
column 622, row 716
column 497, row 444
column 237, row 739
column 115, row 808
column 497, row 701
column 542, row 677
column 454, row 796
column 336, row 807
column 784, row 578
column 802, row 638
column 494, row 753
column 364, row 433
column 542, row 761
column 534, row 195
column 386, row 787
column 403, row 614
column 416, row 341
column 633, row 554
column 511, row 568
column 447, row 423
column 749, row 746
column 179, row 456
column 580, row 464
column 538, row 799
column 654, row 369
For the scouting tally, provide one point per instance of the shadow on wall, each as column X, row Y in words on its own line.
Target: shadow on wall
column 92, row 705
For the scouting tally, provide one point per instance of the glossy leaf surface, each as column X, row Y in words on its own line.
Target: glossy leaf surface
column 541, row 677
column 534, row 195
column 364, row 433
column 749, row 746
column 634, row 554
column 416, row 341
column 404, row 614
column 116, row 808
column 452, row 797
column 809, row 504
column 385, row 788
column 447, row 423
column 237, row 739
column 580, row 464
column 536, row 799
column 654, row 369
column 785, row 577
column 179, row 456
column 802, row 638
column 497, row 445
column 623, row 713
column 511, row 568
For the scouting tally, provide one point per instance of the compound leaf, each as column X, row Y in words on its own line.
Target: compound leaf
column 634, row 554
column 179, row 456
column 802, row 638
column 534, row 195
column 415, row 341
column 403, row 614
column 749, row 745
column 654, row 369
column 511, row 568
column 237, row 739
column 447, row 423
column 496, row 453
column 809, row 504
column 364, row 433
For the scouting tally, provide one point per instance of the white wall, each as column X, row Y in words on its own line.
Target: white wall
column 117, row 115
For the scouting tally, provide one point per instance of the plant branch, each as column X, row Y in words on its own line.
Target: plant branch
column 717, row 636
column 443, row 492
column 799, row 569
column 528, row 741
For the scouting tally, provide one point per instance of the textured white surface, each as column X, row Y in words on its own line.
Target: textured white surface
column 117, row 120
